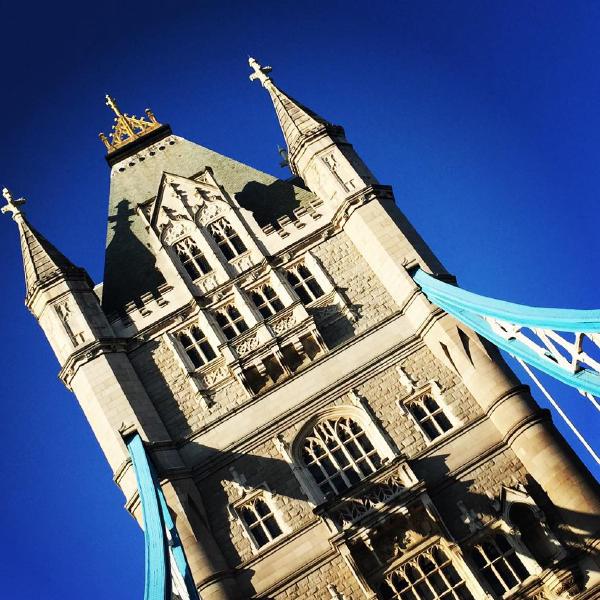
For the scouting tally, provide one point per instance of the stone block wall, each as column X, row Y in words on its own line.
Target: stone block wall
column 315, row 584
column 352, row 276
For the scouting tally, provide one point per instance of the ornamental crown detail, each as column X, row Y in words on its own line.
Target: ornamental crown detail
column 127, row 128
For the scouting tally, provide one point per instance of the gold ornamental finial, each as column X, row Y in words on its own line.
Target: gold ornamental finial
column 112, row 103
column 127, row 128
column 12, row 206
column 260, row 72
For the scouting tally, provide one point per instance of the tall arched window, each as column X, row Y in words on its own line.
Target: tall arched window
column 193, row 261
column 227, row 239
column 338, row 454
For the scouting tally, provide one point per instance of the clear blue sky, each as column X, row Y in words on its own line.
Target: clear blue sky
column 482, row 115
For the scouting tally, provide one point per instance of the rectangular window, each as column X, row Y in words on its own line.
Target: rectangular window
column 304, row 283
column 191, row 258
column 196, row 346
column 266, row 301
column 430, row 416
column 499, row 564
column 227, row 239
column 429, row 576
column 260, row 521
column 231, row 321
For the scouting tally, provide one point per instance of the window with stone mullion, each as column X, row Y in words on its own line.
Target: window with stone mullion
column 266, row 301
column 304, row 284
column 192, row 259
column 227, row 239
column 430, row 416
column 231, row 322
column 429, row 576
column 338, row 454
column 196, row 346
column 260, row 522
column 498, row 562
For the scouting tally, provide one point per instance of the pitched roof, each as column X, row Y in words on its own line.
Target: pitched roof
column 130, row 267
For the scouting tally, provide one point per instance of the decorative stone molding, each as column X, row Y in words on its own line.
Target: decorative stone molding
column 246, row 344
column 372, row 494
column 280, row 323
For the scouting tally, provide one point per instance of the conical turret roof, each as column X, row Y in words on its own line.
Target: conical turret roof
column 295, row 119
column 42, row 261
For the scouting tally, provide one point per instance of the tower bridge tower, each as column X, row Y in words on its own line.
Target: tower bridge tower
column 318, row 428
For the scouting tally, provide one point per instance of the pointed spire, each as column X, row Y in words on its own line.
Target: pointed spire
column 42, row 262
column 296, row 120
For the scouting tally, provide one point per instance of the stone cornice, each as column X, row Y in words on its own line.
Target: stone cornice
column 88, row 353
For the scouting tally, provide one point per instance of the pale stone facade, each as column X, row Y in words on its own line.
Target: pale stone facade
column 320, row 429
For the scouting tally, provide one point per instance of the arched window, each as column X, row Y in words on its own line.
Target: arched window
column 338, row 454
column 231, row 321
column 430, row 416
column 266, row 301
column 304, row 283
column 196, row 346
column 260, row 521
column 227, row 239
column 191, row 258
column 498, row 562
column 429, row 576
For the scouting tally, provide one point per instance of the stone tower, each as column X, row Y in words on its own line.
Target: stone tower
column 320, row 430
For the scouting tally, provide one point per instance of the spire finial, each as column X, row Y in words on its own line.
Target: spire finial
column 12, row 206
column 112, row 104
column 260, row 72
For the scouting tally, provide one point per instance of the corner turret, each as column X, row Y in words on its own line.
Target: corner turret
column 318, row 150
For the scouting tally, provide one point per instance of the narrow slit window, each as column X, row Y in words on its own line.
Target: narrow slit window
column 266, row 301
column 227, row 239
column 260, row 522
column 231, row 321
column 196, row 346
column 304, row 284
column 192, row 259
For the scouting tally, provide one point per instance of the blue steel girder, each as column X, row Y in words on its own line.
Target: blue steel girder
column 165, row 559
column 529, row 333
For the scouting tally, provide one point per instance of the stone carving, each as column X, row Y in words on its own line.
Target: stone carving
column 283, row 323
column 171, row 232
column 246, row 345
column 241, row 263
column 207, row 283
column 213, row 376
column 473, row 520
column 376, row 496
column 63, row 310
column 208, row 211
